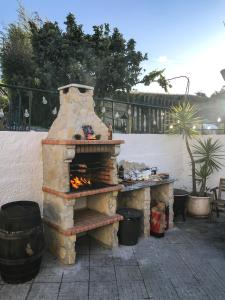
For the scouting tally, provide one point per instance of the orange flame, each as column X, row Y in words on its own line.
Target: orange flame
column 78, row 182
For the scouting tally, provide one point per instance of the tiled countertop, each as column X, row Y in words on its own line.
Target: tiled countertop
column 143, row 184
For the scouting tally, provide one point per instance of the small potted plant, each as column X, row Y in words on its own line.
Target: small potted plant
column 205, row 156
column 208, row 154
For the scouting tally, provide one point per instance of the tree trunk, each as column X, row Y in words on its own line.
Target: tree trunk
column 192, row 166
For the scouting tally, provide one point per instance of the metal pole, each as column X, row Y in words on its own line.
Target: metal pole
column 113, row 121
column 19, row 114
column 30, row 95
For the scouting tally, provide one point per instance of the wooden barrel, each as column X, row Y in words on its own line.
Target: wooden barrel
column 21, row 241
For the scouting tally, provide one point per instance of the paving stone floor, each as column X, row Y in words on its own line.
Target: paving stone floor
column 188, row 263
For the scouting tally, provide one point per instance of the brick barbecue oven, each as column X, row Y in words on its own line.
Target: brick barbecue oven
column 80, row 182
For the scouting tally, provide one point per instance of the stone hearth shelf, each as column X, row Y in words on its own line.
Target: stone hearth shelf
column 71, row 196
column 81, row 142
column 86, row 220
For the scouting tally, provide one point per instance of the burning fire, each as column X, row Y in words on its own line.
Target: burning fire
column 78, row 182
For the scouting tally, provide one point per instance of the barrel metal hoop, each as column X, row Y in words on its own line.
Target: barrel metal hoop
column 18, row 234
column 21, row 261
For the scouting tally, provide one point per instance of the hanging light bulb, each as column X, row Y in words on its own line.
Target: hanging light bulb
column 44, row 100
column 129, row 112
column 26, row 113
column 103, row 109
column 117, row 115
column 178, row 121
column 219, row 120
column 154, row 122
column 162, row 114
column 54, row 111
column 1, row 113
column 171, row 126
column 194, row 127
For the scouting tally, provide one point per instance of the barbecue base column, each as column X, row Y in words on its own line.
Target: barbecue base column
column 60, row 245
column 105, row 203
column 107, row 235
column 164, row 193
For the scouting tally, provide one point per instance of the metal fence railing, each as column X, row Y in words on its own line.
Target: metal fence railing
column 24, row 109
column 27, row 108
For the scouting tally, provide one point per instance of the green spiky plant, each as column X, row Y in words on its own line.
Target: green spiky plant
column 206, row 155
column 184, row 116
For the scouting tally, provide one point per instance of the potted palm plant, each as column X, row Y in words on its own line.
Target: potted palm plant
column 205, row 156
column 208, row 154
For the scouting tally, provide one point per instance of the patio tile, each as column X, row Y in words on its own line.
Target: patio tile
column 100, row 274
column 219, row 268
column 160, row 290
column 73, row 291
column 103, row 291
column 101, row 260
column 205, row 273
column 187, row 264
column 98, row 248
column 122, row 250
column 83, row 245
column 132, row 290
column 14, row 292
column 147, row 251
column 176, row 236
column 41, row 291
column 83, row 260
column 157, row 284
column 124, row 273
column 124, row 256
column 76, row 273
column 49, row 275
column 50, row 261
column 121, row 261
column 213, row 292
column 192, row 292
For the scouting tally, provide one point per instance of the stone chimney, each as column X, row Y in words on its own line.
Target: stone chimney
column 76, row 109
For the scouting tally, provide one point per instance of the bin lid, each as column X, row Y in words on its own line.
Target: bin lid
column 19, row 216
column 21, row 209
column 180, row 192
column 129, row 213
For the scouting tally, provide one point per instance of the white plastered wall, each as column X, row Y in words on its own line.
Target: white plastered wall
column 165, row 152
column 21, row 161
column 21, row 166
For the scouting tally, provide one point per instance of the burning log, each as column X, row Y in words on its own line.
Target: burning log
column 77, row 182
column 81, row 166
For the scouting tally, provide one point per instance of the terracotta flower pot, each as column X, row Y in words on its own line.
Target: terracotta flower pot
column 198, row 206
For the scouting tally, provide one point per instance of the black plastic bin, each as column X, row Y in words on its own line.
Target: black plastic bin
column 179, row 204
column 22, row 241
column 130, row 227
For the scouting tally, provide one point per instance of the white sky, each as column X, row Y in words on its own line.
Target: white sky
column 202, row 67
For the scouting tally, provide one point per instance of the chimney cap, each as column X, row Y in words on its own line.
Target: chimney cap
column 75, row 85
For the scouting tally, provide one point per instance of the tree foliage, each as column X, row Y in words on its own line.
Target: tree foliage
column 41, row 54
column 17, row 57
